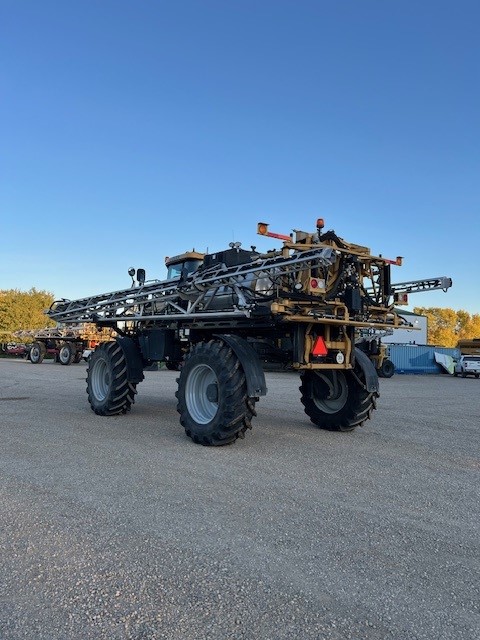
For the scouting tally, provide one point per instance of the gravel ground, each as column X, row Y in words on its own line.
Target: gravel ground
column 122, row 528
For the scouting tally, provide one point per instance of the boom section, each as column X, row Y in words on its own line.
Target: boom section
column 426, row 284
column 324, row 282
column 236, row 288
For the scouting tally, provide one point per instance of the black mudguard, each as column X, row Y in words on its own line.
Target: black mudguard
column 256, row 385
column 371, row 376
column 133, row 358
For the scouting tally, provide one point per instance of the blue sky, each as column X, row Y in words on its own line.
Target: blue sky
column 134, row 130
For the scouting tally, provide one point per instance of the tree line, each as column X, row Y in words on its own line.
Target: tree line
column 23, row 310
column 445, row 327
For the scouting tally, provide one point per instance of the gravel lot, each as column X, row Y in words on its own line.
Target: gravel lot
column 122, row 528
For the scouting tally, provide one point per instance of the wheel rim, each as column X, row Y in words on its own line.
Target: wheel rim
column 64, row 354
column 100, row 380
column 197, row 389
column 336, row 393
column 34, row 353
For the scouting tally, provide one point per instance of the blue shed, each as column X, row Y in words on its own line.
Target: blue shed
column 418, row 358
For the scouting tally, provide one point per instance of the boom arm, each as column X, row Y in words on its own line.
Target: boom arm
column 426, row 284
column 318, row 278
column 180, row 299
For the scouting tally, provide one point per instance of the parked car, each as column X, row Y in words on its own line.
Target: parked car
column 467, row 366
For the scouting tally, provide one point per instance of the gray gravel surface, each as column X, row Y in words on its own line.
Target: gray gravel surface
column 123, row 528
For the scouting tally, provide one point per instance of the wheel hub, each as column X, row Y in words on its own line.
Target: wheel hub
column 336, row 394
column 212, row 392
column 201, row 394
column 100, row 380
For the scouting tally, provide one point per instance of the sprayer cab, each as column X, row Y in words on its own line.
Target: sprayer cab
column 183, row 264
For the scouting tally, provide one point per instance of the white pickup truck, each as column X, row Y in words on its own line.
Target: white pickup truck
column 467, row 366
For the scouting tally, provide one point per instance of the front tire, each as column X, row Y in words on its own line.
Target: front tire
column 337, row 400
column 109, row 391
column 213, row 402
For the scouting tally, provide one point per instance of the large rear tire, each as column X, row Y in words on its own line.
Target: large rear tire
column 337, row 400
column 213, row 402
column 109, row 391
column 37, row 352
column 66, row 354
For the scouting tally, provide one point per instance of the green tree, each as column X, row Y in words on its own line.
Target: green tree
column 23, row 310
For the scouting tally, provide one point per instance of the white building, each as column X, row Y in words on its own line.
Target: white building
column 416, row 335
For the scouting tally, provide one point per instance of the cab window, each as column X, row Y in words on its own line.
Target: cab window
column 175, row 270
